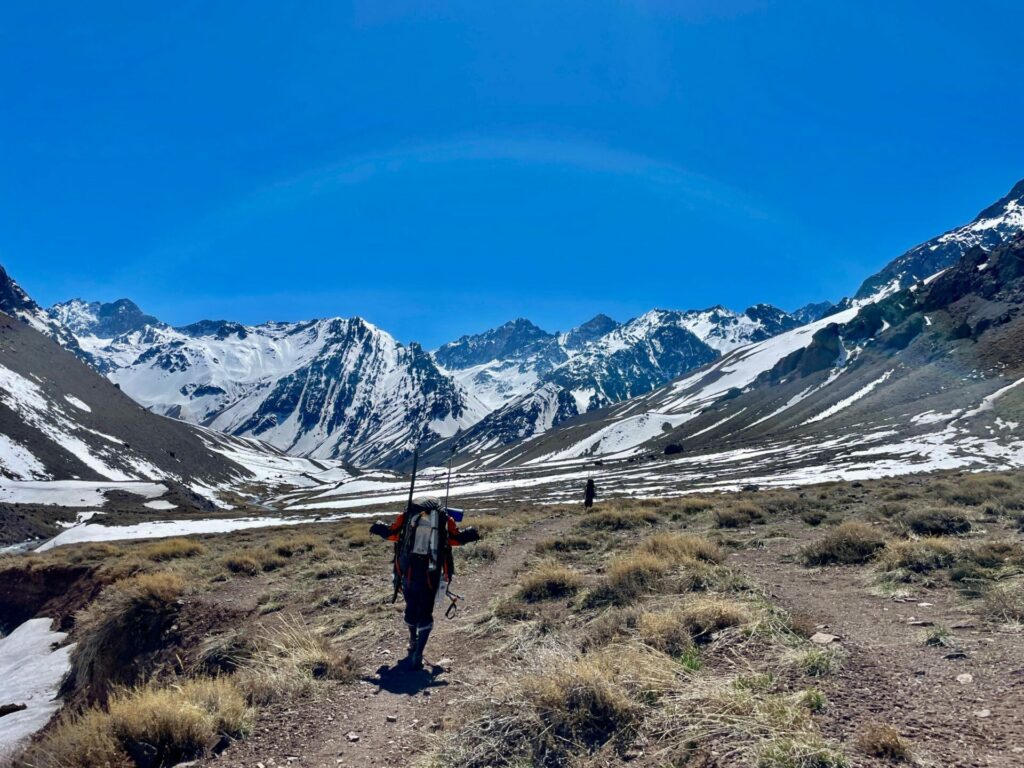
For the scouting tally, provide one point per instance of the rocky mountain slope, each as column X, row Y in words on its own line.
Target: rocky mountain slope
column 933, row 371
column 343, row 389
column 61, row 420
column 993, row 226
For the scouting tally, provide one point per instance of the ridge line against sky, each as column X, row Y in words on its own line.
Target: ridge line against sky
column 439, row 168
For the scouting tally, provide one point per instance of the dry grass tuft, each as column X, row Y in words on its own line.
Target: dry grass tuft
column 289, row 660
column 171, row 549
column 629, row 577
column 937, row 522
column 705, row 616
column 547, row 581
column 739, row 515
column 148, row 727
column 849, row 543
column 128, row 621
column 619, row 519
column 563, row 545
column 884, row 741
column 682, row 547
column 1005, row 602
column 918, row 555
column 241, row 562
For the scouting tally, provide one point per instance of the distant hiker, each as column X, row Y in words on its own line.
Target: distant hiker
column 588, row 495
column 424, row 537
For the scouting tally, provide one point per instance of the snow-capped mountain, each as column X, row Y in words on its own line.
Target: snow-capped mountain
column 626, row 361
column 61, row 420
column 335, row 388
column 344, row 389
column 929, row 375
column 993, row 226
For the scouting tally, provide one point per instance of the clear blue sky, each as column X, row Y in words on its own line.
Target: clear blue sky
column 441, row 167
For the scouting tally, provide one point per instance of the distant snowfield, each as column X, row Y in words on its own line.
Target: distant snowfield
column 30, row 674
column 72, row 493
column 160, row 529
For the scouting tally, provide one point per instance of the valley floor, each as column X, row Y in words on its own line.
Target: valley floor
column 843, row 624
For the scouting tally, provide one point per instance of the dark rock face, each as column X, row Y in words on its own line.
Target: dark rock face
column 517, row 338
column 592, row 330
column 809, row 313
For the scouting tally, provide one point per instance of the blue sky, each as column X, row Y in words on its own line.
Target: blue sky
column 441, row 167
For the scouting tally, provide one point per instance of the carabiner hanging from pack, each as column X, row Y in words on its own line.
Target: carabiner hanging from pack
column 454, row 606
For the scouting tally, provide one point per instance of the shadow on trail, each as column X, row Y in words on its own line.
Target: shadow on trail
column 401, row 679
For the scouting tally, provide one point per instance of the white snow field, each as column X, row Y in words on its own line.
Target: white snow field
column 30, row 674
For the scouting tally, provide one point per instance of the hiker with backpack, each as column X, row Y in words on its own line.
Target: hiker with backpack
column 424, row 536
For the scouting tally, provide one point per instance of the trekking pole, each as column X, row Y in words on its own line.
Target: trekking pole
column 396, row 577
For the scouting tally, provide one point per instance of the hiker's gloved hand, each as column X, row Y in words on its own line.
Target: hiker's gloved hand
column 468, row 535
column 380, row 529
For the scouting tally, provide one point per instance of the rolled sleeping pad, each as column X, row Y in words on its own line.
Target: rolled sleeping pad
column 454, row 514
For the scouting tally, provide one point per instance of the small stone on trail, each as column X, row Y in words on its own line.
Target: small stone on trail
column 921, row 623
column 823, row 638
column 924, row 605
column 965, row 678
column 983, row 713
column 392, row 719
column 445, row 662
column 955, row 655
column 632, row 754
column 352, row 736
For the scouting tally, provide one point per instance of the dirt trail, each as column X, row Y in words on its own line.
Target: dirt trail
column 390, row 712
column 889, row 675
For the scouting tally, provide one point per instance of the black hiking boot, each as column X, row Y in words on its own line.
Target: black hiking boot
column 416, row 659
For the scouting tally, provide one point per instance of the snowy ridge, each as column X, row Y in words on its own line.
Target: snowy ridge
column 993, row 226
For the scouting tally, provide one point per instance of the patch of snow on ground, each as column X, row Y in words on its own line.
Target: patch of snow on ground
column 78, row 404
column 30, row 674
column 848, row 401
column 160, row 504
column 17, row 461
column 72, row 493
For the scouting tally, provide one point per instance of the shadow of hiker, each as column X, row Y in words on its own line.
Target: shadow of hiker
column 404, row 680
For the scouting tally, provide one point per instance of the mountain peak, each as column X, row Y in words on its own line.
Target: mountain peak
column 995, row 225
column 516, row 338
column 103, row 320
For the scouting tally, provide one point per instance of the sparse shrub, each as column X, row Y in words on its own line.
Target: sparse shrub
column 813, row 517
column 242, row 563
column 738, row 516
column 818, row 662
column 563, row 545
column 664, row 631
column 881, row 740
column 330, row 570
column 682, row 547
column 849, row 543
column 171, row 549
column 993, row 554
column 225, row 652
column 1005, row 602
column 548, row 581
column 812, row 699
column 482, row 552
column 128, row 621
column 891, row 510
column 938, row 637
column 292, row 545
column 147, row 727
column 918, row 556
column 271, row 562
column 619, row 519
column 937, row 522
column 690, row 505
column 809, row 751
column 629, row 577
column 165, row 726
column 787, row 504
column 705, row 616
column 580, row 705
column 289, row 659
